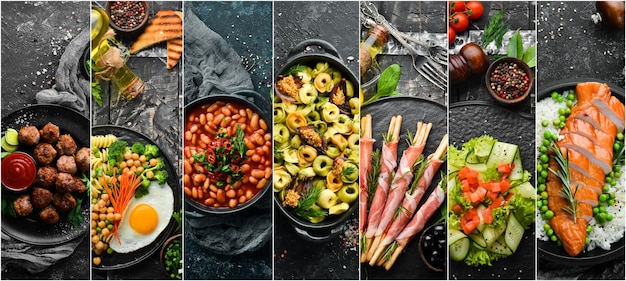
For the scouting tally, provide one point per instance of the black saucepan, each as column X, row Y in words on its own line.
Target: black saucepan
column 309, row 52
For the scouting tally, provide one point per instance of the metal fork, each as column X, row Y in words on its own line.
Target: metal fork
column 433, row 74
column 435, row 52
column 429, row 72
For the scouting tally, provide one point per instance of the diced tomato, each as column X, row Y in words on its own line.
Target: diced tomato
column 457, row 209
column 467, row 195
column 470, row 221
column 504, row 169
column 474, row 197
column 508, row 197
column 496, row 202
column 473, row 181
column 481, row 192
column 492, row 195
column 487, row 215
column 504, row 185
column 466, row 185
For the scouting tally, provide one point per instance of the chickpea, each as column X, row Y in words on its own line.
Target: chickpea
column 110, row 210
column 97, row 260
column 135, row 156
column 142, row 158
column 153, row 162
column 118, row 216
column 110, row 217
column 102, row 224
column 128, row 155
column 150, row 174
column 99, row 245
column 95, row 239
column 104, row 197
column 105, row 231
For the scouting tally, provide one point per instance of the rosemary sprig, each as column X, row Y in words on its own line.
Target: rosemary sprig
column 410, row 140
column 564, row 176
column 401, row 210
column 418, row 170
column 372, row 178
column 389, row 251
column 387, row 137
column 618, row 157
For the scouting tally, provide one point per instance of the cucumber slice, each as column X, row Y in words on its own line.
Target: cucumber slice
column 6, row 146
column 11, row 137
column 500, row 247
column 460, row 249
column 481, row 167
column 518, row 171
column 514, row 233
column 455, row 235
column 502, row 152
column 527, row 190
column 478, row 240
column 491, row 233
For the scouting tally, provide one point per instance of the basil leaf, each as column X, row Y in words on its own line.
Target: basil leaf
column 530, row 56
column 389, row 80
column 515, row 48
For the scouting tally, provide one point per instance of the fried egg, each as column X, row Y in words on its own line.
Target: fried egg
column 144, row 219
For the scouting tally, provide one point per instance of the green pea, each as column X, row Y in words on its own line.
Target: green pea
column 589, row 228
column 569, row 103
column 544, row 123
column 603, row 197
column 620, row 136
column 544, row 209
column 543, row 149
column 544, row 174
column 611, row 195
column 571, row 96
column 611, row 174
column 559, row 99
column 562, row 118
column 561, row 111
column 554, row 95
column 558, row 243
column 98, row 229
column 608, row 217
column 110, row 226
column 602, row 209
column 539, row 204
column 544, row 158
column 549, row 214
column 568, row 111
column 545, row 201
column 556, row 121
column 546, row 141
column 595, row 210
column 553, row 238
column 555, row 137
column 109, row 251
column 613, row 182
column 544, row 195
column 610, row 202
column 617, row 168
column 547, row 135
column 605, row 188
column 616, row 146
column 539, row 168
column 541, row 180
column 542, row 187
column 587, row 240
column 562, row 125
column 546, row 226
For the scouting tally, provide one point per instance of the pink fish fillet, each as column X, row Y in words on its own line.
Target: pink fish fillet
column 388, row 160
column 401, row 181
column 410, row 202
column 365, row 157
column 435, row 199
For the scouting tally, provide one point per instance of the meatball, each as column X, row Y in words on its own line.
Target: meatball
column 64, row 202
column 49, row 133
column 66, row 164
column 66, row 145
column 46, row 177
column 49, row 215
column 28, row 136
column 82, row 159
column 22, row 205
column 78, row 185
column 44, row 154
column 40, row 197
column 64, row 183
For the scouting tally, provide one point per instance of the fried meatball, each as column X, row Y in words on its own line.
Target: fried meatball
column 28, row 135
column 49, row 133
column 44, row 154
column 49, row 215
column 46, row 177
column 66, row 145
column 66, row 164
column 64, row 183
column 82, row 159
column 22, row 205
column 40, row 197
column 63, row 202
column 78, row 185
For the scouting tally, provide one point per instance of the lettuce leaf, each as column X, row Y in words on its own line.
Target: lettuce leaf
column 481, row 146
column 478, row 257
column 523, row 209
column 456, row 157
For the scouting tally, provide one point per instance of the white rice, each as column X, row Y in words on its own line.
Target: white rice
column 602, row 235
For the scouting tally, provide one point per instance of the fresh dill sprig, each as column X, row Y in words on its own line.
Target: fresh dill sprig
column 564, row 176
column 305, row 205
column 495, row 30
column 372, row 178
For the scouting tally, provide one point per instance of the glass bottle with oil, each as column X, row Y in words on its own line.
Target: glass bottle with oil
column 110, row 57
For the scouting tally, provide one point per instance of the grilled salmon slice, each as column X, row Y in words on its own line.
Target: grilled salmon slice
column 613, row 109
column 166, row 25
column 591, row 114
column 588, row 149
column 581, row 127
column 585, row 92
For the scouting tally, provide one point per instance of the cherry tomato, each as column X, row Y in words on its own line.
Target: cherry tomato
column 456, row 6
column 459, row 22
column 451, row 35
column 474, row 9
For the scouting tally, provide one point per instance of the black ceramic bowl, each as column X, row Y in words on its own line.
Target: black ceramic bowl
column 258, row 104
column 129, row 32
column 168, row 242
column 310, row 52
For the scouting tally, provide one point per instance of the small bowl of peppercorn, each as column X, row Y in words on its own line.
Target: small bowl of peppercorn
column 509, row 80
column 128, row 18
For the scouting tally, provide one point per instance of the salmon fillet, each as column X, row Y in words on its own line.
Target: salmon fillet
column 589, row 113
column 613, row 109
column 587, row 148
column 581, row 127
column 585, row 92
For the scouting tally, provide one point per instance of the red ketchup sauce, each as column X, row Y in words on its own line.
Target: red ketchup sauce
column 18, row 171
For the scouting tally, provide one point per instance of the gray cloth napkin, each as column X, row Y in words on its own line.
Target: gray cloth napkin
column 33, row 258
column 212, row 67
column 71, row 89
column 211, row 64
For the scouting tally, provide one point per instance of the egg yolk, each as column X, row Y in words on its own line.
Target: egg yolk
column 144, row 219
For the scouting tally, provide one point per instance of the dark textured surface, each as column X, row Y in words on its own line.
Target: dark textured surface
column 338, row 24
column 409, row 264
column 474, row 119
column 517, row 15
column 421, row 19
column 156, row 113
column 575, row 47
column 34, row 36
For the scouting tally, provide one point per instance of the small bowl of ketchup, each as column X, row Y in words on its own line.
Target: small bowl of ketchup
column 18, row 171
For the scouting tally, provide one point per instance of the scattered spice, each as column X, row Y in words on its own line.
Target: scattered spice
column 509, row 80
column 127, row 14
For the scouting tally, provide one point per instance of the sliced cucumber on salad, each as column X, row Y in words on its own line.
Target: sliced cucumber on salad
column 489, row 189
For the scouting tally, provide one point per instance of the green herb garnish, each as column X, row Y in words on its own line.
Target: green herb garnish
column 305, row 204
column 564, row 176
column 387, row 83
column 495, row 30
column 372, row 179
column 295, row 69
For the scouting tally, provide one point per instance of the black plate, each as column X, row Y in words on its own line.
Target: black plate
column 476, row 118
column 409, row 264
column 30, row 229
column 550, row 251
column 119, row 260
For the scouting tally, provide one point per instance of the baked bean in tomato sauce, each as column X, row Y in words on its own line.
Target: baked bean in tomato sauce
column 223, row 168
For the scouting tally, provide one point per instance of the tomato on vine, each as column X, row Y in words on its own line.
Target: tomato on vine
column 451, row 35
column 474, row 9
column 456, row 6
column 459, row 22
